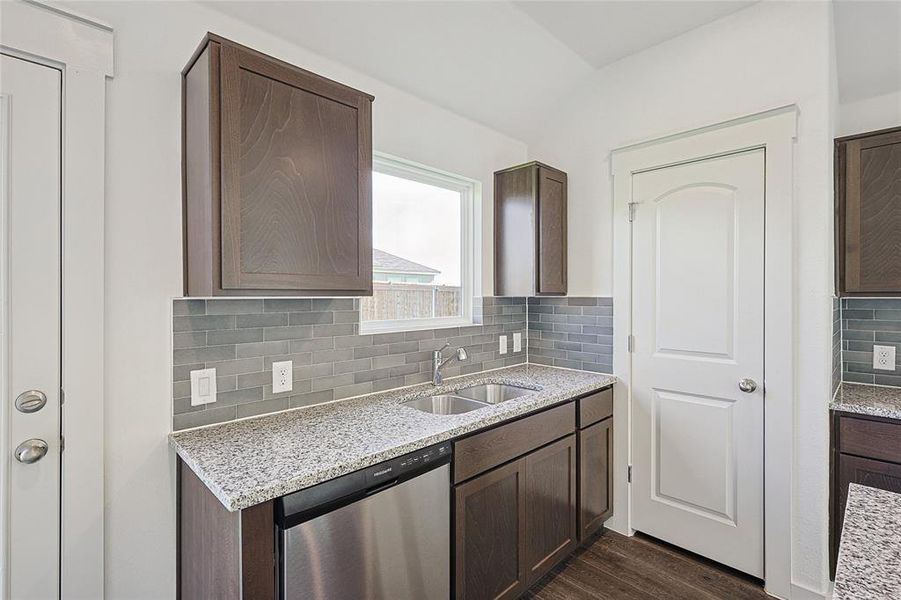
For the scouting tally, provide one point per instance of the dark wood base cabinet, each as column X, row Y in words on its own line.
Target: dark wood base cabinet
column 865, row 450
column 490, row 525
column 595, row 477
column 525, row 494
column 221, row 554
column 517, row 519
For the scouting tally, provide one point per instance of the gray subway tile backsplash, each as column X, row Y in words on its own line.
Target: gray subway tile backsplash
column 573, row 332
column 866, row 322
column 242, row 337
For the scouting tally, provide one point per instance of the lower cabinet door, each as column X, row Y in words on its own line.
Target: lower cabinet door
column 595, row 477
column 550, row 506
column 490, row 524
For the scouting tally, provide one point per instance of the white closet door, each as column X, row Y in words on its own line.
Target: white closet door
column 698, row 317
column 30, row 159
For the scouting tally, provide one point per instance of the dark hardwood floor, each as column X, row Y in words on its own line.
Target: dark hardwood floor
column 638, row 568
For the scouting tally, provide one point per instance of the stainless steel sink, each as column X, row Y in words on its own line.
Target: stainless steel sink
column 493, row 393
column 445, row 404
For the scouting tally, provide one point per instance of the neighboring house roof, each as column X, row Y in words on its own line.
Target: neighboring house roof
column 389, row 263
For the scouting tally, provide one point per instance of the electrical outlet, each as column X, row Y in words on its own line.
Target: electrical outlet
column 203, row 386
column 517, row 342
column 502, row 345
column 282, row 376
column 884, row 358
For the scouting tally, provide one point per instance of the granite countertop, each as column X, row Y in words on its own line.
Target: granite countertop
column 864, row 399
column 247, row 462
column 870, row 549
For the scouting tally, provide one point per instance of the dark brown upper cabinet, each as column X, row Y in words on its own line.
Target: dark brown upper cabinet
column 277, row 177
column 868, row 213
column 530, row 231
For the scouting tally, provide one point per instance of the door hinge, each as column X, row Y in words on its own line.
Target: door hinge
column 631, row 343
column 629, row 475
column 632, row 211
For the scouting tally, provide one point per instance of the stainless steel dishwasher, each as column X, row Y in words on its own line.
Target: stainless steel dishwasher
column 382, row 533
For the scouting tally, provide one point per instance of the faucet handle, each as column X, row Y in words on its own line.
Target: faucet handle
column 441, row 349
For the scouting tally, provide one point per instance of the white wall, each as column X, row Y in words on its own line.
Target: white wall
column 870, row 114
column 766, row 56
column 153, row 41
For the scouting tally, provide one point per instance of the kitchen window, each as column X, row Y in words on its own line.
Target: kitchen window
column 422, row 234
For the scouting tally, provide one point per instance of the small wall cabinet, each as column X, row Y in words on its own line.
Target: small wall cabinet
column 868, row 213
column 530, row 240
column 277, row 177
column 865, row 450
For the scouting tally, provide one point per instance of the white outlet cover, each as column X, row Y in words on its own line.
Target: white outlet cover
column 282, row 376
column 884, row 358
column 203, row 386
column 502, row 345
column 517, row 342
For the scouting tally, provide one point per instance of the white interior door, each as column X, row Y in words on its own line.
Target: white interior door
column 698, row 318
column 30, row 236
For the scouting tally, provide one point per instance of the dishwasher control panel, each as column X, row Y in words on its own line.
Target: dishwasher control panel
column 392, row 469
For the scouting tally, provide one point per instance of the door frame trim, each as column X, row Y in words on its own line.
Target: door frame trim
column 82, row 49
column 776, row 132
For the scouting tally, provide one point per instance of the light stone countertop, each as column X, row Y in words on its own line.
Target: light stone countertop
column 869, row 556
column 247, row 462
column 865, row 399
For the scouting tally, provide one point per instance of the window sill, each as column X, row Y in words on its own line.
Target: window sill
column 373, row 327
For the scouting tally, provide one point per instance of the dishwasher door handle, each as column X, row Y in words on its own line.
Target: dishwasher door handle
column 380, row 487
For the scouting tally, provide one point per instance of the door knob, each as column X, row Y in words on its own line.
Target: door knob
column 31, row 451
column 31, row 401
column 747, row 385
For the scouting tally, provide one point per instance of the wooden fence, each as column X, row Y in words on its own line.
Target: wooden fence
column 392, row 301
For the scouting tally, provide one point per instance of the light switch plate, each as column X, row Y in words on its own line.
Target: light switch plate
column 203, row 386
column 884, row 358
column 502, row 345
column 517, row 342
column 282, row 376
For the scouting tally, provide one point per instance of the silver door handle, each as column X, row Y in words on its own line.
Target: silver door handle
column 31, row 401
column 747, row 385
column 31, row 451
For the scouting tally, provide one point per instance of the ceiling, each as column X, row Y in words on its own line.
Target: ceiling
column 507, row 64
column 604, row 32
column 503, row 64
column 868, row 48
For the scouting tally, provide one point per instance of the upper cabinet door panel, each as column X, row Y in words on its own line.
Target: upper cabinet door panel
column 869, row 192
column 296, row 178
column 530, row 231
column 551, row 259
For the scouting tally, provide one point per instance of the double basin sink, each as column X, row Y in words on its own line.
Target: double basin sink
column 467, row 399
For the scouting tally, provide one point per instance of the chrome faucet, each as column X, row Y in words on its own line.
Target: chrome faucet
column 437, row 362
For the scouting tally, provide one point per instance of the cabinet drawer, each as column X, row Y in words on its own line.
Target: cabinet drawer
column 871, row 439
column 483, row 451
column 595, row 407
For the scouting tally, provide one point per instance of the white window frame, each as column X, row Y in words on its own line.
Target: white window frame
column 469, row 190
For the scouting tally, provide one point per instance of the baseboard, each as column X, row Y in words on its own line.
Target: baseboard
column 800, row 592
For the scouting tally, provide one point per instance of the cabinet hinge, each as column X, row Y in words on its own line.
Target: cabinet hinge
column 631, row 343
column 62, row 396
column 629, row 475
column 632, row 211
column 62, row 443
